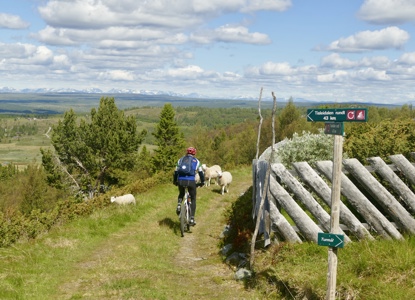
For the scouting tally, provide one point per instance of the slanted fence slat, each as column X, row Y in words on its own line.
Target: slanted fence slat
column 377, row 211
column 305, row 197
column 363, row 206
column 396, row 211
column 304, row 223
column 396, row 183
column 404, row 166
column 321, row 188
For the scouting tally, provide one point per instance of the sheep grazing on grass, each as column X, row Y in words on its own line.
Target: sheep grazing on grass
column 224, row 180
column 210, row 173
column 123, row 200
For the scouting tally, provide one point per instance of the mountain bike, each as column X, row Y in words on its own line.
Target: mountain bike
column 185, row 213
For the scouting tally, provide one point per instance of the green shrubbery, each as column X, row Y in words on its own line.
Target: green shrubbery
column 307, row 147
column 33, row 201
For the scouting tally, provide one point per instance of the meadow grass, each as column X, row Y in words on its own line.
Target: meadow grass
column 381, row 269
column 132, row 252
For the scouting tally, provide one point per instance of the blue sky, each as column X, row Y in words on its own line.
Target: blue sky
column 316, row 50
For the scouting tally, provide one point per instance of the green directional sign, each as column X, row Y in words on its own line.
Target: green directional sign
column 337, row 115
column 335, row 128
column 330, row 239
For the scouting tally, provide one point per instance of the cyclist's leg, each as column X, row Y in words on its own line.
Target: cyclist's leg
column 180, row 197
column 192, row 191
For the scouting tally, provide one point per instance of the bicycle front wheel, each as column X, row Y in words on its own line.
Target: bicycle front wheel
column 183, row 218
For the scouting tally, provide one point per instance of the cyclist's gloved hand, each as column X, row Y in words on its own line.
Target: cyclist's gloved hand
column 200, row 184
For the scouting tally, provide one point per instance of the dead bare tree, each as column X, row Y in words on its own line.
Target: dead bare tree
column 266, row 185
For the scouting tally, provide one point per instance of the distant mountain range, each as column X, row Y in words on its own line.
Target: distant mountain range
column 136, row 92
column 297, row 101
column 112, row 91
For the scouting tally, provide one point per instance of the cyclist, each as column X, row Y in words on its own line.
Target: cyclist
column 184, row 176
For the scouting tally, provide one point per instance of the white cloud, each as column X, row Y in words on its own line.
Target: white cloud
column 337, row 62
column 387, row 11
column 407, row 58
column 372, row 74
column 188, row 72
column 117, row 75
column 387, row 38
column 337, row 76
column 273, row 5
column 230, row 34
column 212, row 47
column 12, row 22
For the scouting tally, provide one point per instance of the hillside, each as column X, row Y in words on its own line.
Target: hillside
column 130, row 253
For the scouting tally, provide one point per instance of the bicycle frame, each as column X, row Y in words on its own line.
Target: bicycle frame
column 185, row 213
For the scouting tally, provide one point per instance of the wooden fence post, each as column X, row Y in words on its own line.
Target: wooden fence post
column 335, row 215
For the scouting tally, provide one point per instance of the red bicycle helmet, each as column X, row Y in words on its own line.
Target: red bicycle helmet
column 191, row 151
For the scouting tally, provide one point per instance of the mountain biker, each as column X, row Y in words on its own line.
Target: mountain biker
column 182, row 180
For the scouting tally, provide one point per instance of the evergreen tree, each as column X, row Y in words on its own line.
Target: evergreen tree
column 291, row 121
column 94, row 153
column 169, row 140
column 143, row 168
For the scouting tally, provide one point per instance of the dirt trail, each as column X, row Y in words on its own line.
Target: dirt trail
column 199, row 253
column 105, row 274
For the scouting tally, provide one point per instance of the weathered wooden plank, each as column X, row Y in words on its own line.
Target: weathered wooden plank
column 260, row 169
column 307, row 227
column 397, row 184
column 396, row 211
column 281, row 225
column 404, row 166
column 277, row 221
column 305, row 197
column 320, row 187
column 363, row 206
column 259, row 179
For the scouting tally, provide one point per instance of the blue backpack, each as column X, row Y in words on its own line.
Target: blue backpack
column 186, row 167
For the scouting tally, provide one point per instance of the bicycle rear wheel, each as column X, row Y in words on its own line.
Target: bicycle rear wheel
column 183, row 218
column 188, row 217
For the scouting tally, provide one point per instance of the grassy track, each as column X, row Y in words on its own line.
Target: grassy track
column 130, row 253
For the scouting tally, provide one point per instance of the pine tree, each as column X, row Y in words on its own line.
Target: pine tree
column 169, row 140
column 94, row 153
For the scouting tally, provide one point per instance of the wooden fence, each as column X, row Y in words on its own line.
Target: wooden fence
column 377, row 200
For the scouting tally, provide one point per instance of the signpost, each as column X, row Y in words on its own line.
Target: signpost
column 337, row 115
column 334, row 119
column 336, row 128
column 330, row 239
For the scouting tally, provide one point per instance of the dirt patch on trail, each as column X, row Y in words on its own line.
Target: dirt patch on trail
column 199, row 251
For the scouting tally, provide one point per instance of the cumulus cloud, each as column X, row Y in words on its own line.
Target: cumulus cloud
column 387, row 38
column 273, row 5
column 12, row 22
column 117, row 75
column 407, row 58
column 372, row 74
column 230, row 34
column 337, row 62
column 337, row 76
column 91, row 14
column 387, row 11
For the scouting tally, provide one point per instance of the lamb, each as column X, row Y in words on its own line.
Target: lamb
column 123, row 200
column 210, row 173
column 224, row 179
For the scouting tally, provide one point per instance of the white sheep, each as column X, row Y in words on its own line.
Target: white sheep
column 210, row 173
column 124, row 199
column 224, row 179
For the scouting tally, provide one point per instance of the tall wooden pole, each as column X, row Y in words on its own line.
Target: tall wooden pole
column 335, row 214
